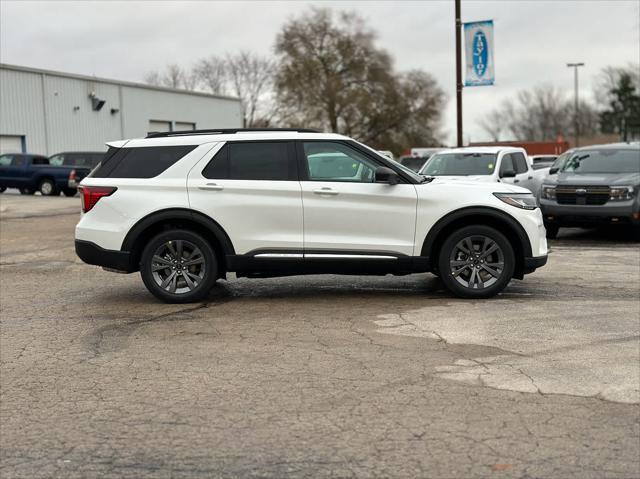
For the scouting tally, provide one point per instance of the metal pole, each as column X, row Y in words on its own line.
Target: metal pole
column 576, row 121
column 459, row 72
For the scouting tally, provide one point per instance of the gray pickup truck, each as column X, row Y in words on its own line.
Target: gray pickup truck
column 593, row 186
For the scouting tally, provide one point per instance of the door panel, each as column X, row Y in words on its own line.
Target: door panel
column 359, row 216
column 256, row 214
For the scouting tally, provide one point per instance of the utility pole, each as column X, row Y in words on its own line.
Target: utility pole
column 459, row 72
column 576, row 124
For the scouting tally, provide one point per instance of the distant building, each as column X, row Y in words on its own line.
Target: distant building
column 46, row 112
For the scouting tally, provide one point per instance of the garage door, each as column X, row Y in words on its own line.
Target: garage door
column 10, row 144
column 156, row 125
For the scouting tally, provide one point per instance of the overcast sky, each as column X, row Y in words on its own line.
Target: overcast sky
column 533, row 39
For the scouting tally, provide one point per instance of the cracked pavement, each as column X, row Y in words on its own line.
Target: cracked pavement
column 320, row 376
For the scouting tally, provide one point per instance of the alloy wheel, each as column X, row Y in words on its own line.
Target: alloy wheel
column 178, row 266
column 476, row 262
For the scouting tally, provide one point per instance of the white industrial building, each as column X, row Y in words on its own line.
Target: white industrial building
column 46, row 112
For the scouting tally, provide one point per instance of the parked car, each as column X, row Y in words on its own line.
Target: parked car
column 84, row 159
column 186, row 208
column 539, row 162
column 487, row 164
column 414, row 163
column 594, row 185
column 30, row 173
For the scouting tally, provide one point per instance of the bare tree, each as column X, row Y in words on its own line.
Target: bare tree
column 540, row 114
column 211, row 74
column 251, row 78
column 493, row 124
column 173, row 76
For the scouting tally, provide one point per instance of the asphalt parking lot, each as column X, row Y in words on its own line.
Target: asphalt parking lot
column 320, row 376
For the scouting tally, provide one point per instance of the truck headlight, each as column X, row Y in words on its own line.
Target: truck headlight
column 548, row 192
column 525, row 201
column 621, row 193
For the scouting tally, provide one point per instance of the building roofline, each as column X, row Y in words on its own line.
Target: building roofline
column 75, row 76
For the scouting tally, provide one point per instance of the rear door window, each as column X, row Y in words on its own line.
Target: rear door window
column 257, row 160
column 40, row 160
column 141, row 162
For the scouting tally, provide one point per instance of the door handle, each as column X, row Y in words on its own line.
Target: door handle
column 531, row 177
column 516, row 181
column 211, row 186
column 325, row 191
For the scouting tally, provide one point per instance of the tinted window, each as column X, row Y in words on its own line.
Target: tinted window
column 520, row 163
column 329, row 161
column 252, row 161
column 40, row 160
column 144, row 162
column 507, row 164
column 86, row 159
column 454, row 164
column 413, row 162
column 19, row 161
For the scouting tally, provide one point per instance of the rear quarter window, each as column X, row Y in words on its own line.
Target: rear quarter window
column 142, row 162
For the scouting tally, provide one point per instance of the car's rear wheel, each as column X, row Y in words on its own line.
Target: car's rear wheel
column 3, row 189
column 69, row 191
column 179, row 266
column 476, row 262
column 47, row 187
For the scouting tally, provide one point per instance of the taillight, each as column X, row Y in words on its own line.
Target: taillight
column 90, row 195
column 72, row 175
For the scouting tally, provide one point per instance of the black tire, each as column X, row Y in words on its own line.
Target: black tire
column 3, row 189
column 26, row 191
column 552, row 230
column 69, row 191
column 48, row 187
column 171, row 242
column 635, row 232
column 484, row 278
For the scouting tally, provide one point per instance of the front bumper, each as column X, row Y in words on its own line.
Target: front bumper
column 531, row 264
column 91, row 253
column 580, row 215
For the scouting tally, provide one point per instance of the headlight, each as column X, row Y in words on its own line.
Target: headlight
column 525, row 201
column 621, row 193
column 548, row 192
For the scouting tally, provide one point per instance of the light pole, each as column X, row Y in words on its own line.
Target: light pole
column 576, row 120
column 458, row 74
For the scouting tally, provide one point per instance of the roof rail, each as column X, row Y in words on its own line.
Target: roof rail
column 224, row 131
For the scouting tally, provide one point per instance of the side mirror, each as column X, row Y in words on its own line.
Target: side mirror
column 386, row 175
column 508, row 174
column 554, row 170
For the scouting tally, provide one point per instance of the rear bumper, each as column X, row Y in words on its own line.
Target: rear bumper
column 531, row 264
column 91, row 253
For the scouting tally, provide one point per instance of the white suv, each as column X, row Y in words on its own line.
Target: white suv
column 186, row 208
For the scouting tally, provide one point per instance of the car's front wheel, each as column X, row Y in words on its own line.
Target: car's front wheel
column 476, row 262
column 179, row 266
column 3, row 189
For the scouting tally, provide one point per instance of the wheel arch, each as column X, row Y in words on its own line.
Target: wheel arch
column 480, row 215
column 163, row 220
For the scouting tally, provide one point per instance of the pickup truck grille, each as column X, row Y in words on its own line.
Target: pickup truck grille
column 582, row 195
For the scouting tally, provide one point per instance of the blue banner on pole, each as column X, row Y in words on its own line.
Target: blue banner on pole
column 478, row 49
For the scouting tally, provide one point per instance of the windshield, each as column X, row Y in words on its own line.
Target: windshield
column 454, row 164
column 602, row 161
